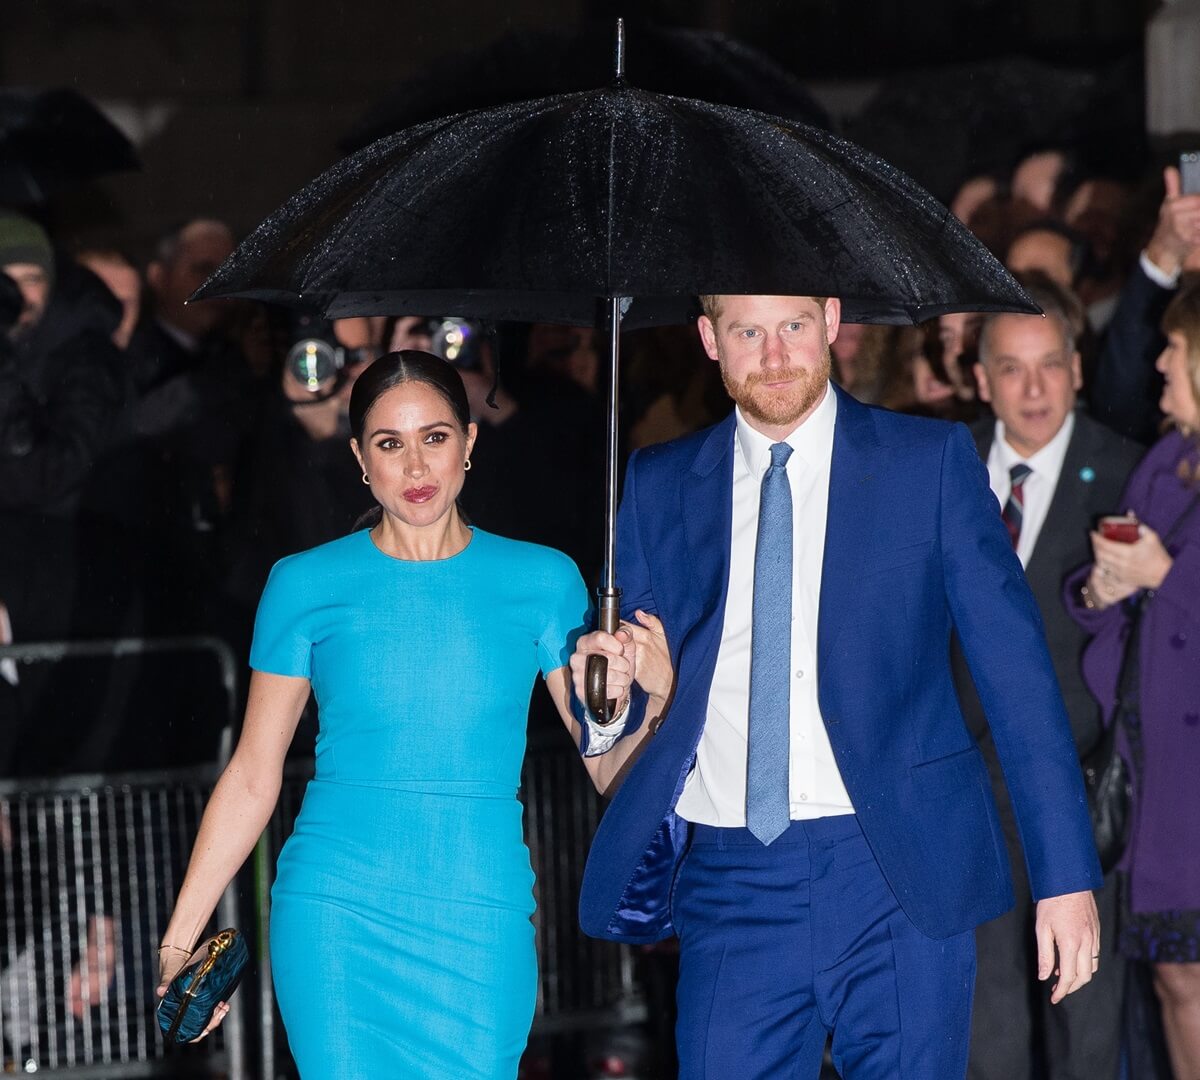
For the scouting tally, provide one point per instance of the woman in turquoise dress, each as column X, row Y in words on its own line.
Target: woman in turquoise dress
column 401, row 940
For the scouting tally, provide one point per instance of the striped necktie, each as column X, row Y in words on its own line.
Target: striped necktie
column 1014, row 509
column 768, row 758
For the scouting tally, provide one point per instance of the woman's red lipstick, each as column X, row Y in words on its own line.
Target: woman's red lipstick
column 420, row 494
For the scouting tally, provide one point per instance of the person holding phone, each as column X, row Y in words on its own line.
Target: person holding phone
column 1146, row 590
column 1124, row 391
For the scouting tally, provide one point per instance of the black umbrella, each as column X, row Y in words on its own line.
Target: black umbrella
column 525, row 64
column 613, row 206
column 53, row 139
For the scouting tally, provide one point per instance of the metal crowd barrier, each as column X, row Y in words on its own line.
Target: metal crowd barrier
column 90, row 865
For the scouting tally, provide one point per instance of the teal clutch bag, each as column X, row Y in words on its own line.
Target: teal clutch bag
column 209, row 978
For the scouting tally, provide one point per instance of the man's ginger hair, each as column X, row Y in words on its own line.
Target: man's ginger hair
column 711, row 304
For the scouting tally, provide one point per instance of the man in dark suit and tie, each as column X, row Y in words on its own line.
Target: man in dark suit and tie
column 1054, row 471
column 812, row 817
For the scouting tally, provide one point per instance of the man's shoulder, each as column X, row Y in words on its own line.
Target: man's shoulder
column 682, row 452
column 1102, row 441
column 900, row 429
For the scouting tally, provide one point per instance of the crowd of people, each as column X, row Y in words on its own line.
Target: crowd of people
column 157, row 458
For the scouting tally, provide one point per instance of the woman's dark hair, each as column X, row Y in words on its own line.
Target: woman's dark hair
column 410, row 365
column 392, row 370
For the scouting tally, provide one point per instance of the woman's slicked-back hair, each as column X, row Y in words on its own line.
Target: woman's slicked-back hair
column 410, row 365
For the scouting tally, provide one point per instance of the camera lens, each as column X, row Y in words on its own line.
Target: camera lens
column 456, row 342
column 313, row 363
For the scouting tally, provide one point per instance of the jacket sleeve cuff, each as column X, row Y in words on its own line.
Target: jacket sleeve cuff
column 1091, row 619
column 595, row 738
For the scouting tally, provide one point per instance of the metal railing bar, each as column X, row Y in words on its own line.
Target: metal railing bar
column 86, row 782
column 117, row 893
column 117, row 648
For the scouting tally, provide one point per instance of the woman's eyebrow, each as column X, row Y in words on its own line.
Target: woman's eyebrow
column 424, row 427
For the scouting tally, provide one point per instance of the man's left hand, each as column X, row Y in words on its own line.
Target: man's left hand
column 1069, row 925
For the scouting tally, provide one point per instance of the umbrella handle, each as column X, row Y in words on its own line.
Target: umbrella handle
column 603, row 708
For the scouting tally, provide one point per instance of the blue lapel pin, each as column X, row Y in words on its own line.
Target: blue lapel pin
column 1087, row 474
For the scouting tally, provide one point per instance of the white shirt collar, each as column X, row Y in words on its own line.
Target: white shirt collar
column 1047, row 462
column 811, row 441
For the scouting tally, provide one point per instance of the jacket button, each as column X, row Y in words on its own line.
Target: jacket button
column 1179, row 640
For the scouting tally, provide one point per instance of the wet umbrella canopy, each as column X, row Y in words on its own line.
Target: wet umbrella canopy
column 534, row 211
column 525, row 64
column 54, row 139
column 616, row 207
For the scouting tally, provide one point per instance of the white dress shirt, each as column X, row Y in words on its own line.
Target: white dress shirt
column 715, row 790
column 1039, row 486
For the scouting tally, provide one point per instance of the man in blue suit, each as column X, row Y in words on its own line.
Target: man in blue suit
column 812, row 817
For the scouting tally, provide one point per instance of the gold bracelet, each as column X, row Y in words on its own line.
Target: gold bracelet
column 177, row 948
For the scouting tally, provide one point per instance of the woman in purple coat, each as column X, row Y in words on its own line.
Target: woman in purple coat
column 1161, row 737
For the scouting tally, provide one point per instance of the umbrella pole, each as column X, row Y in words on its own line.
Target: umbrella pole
column 608, row 596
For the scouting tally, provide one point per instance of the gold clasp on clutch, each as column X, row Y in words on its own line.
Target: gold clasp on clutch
column 218, row 945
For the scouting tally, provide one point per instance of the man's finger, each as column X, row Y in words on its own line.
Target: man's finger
column 651, row 622
column 1045, row 952
column 1171, row 182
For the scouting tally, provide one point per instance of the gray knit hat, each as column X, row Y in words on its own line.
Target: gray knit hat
column 24, row 241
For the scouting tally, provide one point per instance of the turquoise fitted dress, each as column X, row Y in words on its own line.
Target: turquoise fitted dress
column 401, row 940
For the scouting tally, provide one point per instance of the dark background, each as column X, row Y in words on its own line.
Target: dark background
column 234, row 104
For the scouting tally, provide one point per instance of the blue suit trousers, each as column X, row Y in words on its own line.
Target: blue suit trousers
column 782, row 946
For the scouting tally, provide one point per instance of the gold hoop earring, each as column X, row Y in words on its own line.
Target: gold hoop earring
column 366, row 480
column 467, row 465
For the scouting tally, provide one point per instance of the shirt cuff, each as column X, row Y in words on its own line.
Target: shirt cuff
column 602, row 737
column 1160, row 277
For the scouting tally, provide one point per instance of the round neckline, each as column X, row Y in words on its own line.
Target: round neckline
column 471, row 543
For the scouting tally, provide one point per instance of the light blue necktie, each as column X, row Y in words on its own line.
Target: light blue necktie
column 767, row 805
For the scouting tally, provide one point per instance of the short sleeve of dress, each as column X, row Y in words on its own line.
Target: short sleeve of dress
column 566, row 614
column 282, row 636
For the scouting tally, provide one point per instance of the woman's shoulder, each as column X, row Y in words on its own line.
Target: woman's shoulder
column 345, row 551
column 526, row 558
column 1169, row 450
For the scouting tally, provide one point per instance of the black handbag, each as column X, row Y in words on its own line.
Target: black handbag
column 210, row 977
column 1109, row 786
column 1106, row 774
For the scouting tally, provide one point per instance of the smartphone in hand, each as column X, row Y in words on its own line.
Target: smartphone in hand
column 1189, row 172
column 1123, row 528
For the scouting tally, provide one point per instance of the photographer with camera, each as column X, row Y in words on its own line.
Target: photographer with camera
column 299, row 486
column 534, row 479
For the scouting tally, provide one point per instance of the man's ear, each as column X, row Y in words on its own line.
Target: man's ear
column 833, row 318
column 1077, row 371
column 981, row 381
column 708, row 336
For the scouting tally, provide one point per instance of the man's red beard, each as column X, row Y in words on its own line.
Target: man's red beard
column 779, row 407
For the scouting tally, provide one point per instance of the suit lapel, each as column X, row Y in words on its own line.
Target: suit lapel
column 853, row 497
column 706, row 497
column 1067, row 506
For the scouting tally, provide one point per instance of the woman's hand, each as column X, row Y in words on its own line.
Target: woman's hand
column 620, row 652
column 1123, row 569
column 652, row 658
column 170, row 962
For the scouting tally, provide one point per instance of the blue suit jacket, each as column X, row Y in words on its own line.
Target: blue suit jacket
column 913, row 545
